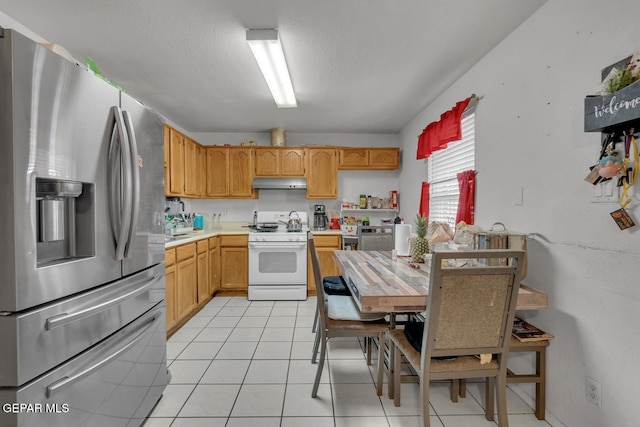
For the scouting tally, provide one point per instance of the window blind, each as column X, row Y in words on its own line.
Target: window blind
column 442, row 169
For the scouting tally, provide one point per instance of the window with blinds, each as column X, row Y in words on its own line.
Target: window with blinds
column 442, row 169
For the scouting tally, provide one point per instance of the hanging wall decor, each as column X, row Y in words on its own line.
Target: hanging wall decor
column 616, row 113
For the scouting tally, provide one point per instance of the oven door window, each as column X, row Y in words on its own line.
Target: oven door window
column 277, row 262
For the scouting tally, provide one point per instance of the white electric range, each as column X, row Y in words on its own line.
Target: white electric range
column 278, row 257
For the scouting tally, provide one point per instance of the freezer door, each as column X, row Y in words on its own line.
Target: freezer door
column 115, row 383
column 146, row 244
column 54, row 134
column 40, row 339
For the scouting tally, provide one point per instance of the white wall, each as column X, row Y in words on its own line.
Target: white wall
column 529, row 133
column 350, row 183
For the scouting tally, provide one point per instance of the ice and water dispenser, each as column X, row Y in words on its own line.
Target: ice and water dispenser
column 64, row 212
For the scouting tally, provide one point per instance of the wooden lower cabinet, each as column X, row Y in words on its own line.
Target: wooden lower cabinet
column 214, row 265
column 202, row 262
column 234, row 264
column 171, row 282
column 186, row 280
column 325, row 245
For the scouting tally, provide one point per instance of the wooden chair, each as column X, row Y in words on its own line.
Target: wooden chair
column 340, row 317
column 470, row 312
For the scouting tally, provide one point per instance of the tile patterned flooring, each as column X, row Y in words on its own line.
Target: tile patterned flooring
column 247, row 363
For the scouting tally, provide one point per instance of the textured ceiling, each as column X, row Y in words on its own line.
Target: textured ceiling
column 357, row 65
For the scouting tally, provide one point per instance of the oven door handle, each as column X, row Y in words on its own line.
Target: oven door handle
column 275, row 246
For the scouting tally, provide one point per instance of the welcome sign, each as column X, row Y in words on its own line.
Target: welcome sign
column 602, row 112
column 608, row 112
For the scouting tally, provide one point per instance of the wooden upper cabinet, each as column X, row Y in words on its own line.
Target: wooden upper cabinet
column 384, row 158
column 322, row 173
column 201, row 176
column 241, row 172
column 278, row 161
column 230, row 172
column 268, row 162
column 191, row 166
column 369, row 158
column 176, row 163
column 292, row 161
column 217, row 171
column 356, row 158
column 167, row 139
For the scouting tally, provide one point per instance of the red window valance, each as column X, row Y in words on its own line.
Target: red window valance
column 438, row 134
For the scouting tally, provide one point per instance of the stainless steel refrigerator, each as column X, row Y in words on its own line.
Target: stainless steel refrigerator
column 82, row 283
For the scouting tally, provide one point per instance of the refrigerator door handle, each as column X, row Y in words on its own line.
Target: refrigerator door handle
column 135, row 181
column 66, row 318
column 65, row 382
column 120, row 195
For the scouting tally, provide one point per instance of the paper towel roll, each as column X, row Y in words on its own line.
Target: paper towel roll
column 402, row 236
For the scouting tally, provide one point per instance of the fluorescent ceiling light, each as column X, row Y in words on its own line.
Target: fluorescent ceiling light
column 267, row 49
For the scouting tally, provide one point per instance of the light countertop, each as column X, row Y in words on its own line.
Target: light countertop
column 229, row 228
column 226, row 228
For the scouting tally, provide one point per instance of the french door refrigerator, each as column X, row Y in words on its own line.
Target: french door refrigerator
column 82, row 283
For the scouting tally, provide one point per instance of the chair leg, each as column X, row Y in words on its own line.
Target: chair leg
column 490, row 386
column 397, row 371
column 380, row 376
column 316, row 344
column 315, row 321
column 501, row 400
column 454, row 390
column 463, row 387
column 367, row 341
column 323, row 351
column 424, row 392
column 389, row 349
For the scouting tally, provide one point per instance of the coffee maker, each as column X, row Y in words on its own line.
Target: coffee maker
column 320, row 219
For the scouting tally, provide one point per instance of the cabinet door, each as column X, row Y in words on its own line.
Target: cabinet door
column 190, row 167
column 325, row 245
column 201, row 176
column 176, row 162
column 214, row 265
column 384, row 158
column 322, row 173
column 241, row 172
column 353, row 158
column 170, row 278
column 167, row 176
column 186, row 285
column 203, row 276
column 217, row 171
column 267, row 162
column 234, row 268
column 292, row 163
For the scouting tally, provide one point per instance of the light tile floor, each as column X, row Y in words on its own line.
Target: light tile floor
column 241, row 363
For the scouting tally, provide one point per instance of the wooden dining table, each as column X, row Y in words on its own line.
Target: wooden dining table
column 381, row 284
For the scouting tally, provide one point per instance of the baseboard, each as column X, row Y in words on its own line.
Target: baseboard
column 531, row 402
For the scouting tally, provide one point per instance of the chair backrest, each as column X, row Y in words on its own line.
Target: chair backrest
column 376, row 237
column 471, row 304
column 317, row 277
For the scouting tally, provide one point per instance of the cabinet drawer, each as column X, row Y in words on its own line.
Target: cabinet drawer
column 234, row 240
column 202, row 246
column 213, row 242
column 327, row 241
column 186, row 251
column 169, row 257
